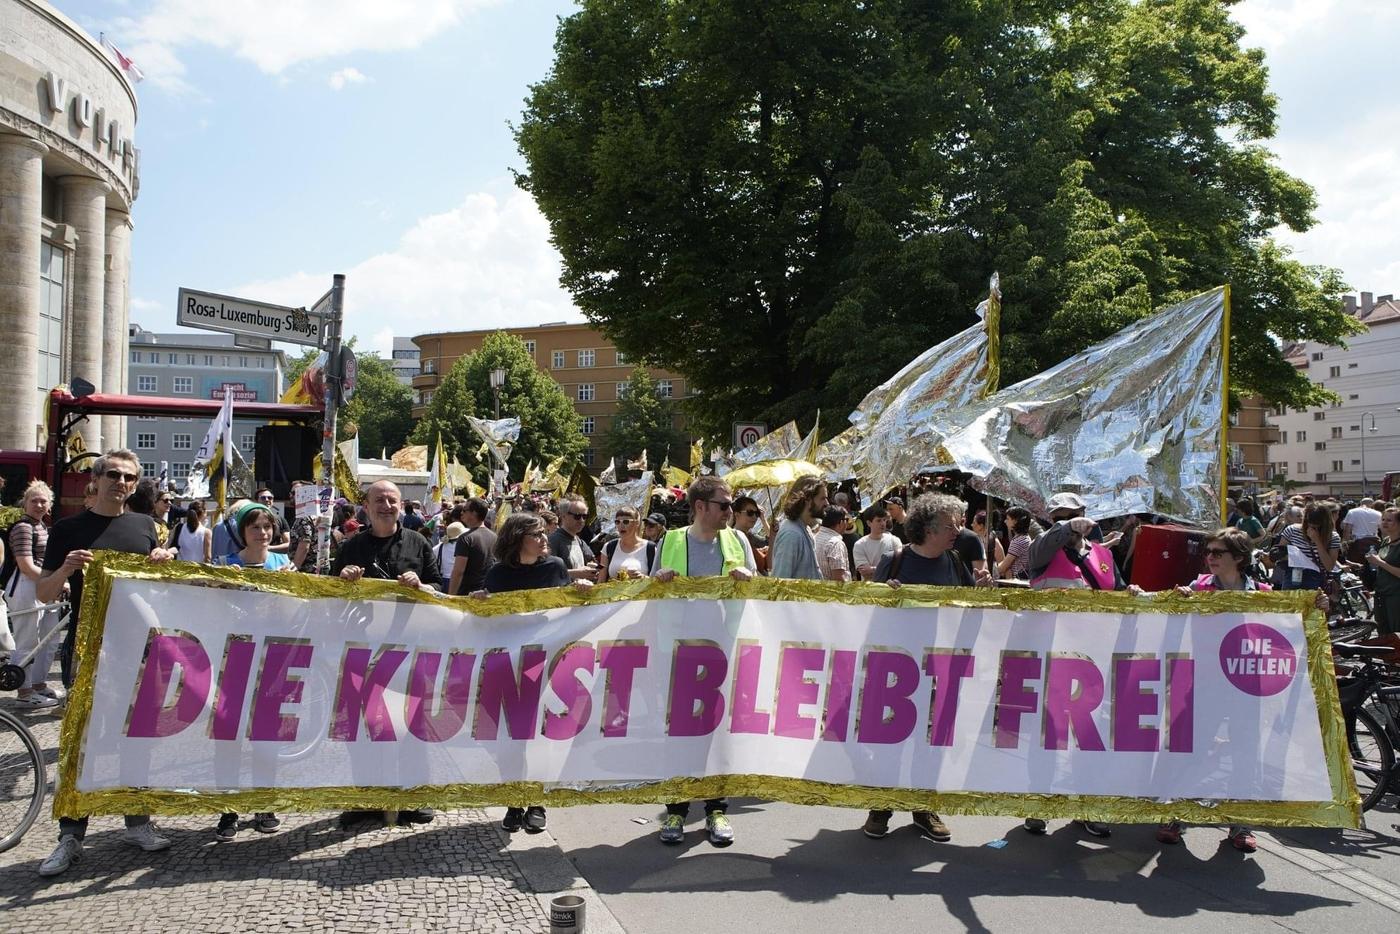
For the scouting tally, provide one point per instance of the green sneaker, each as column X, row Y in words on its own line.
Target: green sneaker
column 718, row 827
column 673, row 829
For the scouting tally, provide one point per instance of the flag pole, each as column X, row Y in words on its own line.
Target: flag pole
column 1225, row 412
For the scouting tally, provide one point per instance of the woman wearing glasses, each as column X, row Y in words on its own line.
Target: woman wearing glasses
column 523, row 562
column 629, row 555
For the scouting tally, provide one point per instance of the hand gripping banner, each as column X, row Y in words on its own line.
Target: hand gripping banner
column 216, row 689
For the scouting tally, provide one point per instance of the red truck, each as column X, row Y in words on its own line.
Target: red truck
column 68, row 476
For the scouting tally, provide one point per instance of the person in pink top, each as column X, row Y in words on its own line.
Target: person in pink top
column 1227, row 557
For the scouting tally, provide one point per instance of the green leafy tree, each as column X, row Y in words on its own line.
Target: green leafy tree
column 549, row 423
column 643, row 423
column 447, row 412
column 378, row 412
column 787, row 201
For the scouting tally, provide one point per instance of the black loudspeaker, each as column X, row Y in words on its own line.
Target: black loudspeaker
column 284, row 453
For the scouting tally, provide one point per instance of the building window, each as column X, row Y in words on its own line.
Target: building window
column 148, row 471
column 621, row 358
column 1301, row 436
column 1338, row 466
column 427, row 397
column 145, row 384
column 208, row 359
column 530, row 349
column 587, row 357
column 622, row 390
column 181, row 442
column 262, row 363
column 1320, row 478
column 1336, row 431
column 223, row 360
column 145, row 441
column 1319, row 445
column 243, row 362
column 51, row 263
column 588, row 424
column 184, row 385
column 1355, row 462
column 1353, row 397
column 179, row 470
column 136, row 356
column 1333, row 372
column 1351, row 366
column 556, row 360
column 1302, row 467
column 585, row 392
column 1337, row 404
column 588, row 457
column 247, row 442
column 1319, row 416
column 155, row 358
column 429, row 367
column 189, row 359
column 172, row 358
column 663, row 388
column 1281, row 469
column 1317, row 356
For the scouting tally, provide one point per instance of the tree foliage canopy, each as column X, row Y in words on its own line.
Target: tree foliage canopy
column 549, row 424
column 786, row 201
column 642, row 422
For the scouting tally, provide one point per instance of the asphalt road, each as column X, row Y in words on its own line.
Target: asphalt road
column 802, row 869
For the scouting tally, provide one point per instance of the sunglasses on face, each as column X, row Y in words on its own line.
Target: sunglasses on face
column 623, row 520
column 124, row 477
column 747, row 512
column 723, row 504
column 577, row 515
column 540, row 535
column 1218, row 552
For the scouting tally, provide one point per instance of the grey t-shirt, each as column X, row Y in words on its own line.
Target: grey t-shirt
column 703, row 559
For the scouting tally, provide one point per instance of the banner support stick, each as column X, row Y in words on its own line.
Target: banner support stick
column 333, row 373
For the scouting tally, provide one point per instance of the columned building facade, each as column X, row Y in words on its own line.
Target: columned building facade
column 68, row 176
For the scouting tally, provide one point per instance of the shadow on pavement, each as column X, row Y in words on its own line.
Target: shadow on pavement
column 1062, row 864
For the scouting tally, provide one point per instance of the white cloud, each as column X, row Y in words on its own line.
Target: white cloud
column 486, row 263
column 275, row 34
column 339, row 79
column 1329, row 62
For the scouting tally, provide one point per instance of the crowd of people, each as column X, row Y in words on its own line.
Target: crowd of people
column 923, row 534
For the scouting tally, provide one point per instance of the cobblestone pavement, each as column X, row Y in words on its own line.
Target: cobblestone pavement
column 459, row 873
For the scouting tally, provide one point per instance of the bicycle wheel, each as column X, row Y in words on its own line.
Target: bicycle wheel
column 22, row 780
column 1372, row 757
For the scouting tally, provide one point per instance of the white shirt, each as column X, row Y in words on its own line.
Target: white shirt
column 1362, row 522
column 634, row 562
column 191, row 544
column 869, row 550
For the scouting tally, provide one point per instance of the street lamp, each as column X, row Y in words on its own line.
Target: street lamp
column 1365, row 487
column 498, row 379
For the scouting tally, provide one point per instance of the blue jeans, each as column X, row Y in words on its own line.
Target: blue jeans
column 1309, row 580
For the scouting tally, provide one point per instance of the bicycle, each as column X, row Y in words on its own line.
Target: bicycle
column 1370, row 699
column 23, row 777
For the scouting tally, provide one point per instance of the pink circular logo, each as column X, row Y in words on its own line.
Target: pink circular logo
column 1257, row 659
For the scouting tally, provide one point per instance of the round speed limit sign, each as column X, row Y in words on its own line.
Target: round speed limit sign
column 747, row 433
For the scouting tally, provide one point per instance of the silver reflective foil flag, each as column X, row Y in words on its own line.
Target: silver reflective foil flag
column 608, row 499
column 500, row 435
column 896, row 430
column 1132, row 424
column 776, row 445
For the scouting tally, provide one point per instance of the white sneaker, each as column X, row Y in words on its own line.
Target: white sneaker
column 68, row 852
column 57, row 694
column 145, row 836
column 36, row 700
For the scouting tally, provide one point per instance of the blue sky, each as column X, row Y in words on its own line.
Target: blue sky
column 283, row 141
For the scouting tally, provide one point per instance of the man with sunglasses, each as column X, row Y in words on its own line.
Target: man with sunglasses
column 106, row 525
column 705, row 548
column 566, row 542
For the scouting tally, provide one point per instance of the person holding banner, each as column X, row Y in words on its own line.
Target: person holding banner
column 794, row 554
column 258, row 528
column 387, row 551
column 523, row 562
column 106, row 525
column 932, row 524
column 706, row 548
column 629, row 555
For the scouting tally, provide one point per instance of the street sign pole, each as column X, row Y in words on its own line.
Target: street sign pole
column 333, row 380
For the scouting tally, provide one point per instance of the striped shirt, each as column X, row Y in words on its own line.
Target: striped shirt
column 1298, row 542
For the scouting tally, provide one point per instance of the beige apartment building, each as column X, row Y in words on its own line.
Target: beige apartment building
column 592, row 372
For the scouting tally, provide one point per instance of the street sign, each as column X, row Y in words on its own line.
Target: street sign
column 747, row 433
column 214, row 312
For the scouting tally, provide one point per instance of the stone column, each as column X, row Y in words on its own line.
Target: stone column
column 85, row 209
column 21, row 230
column 114, row 305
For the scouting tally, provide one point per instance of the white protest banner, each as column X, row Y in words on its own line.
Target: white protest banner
column 213, row 689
